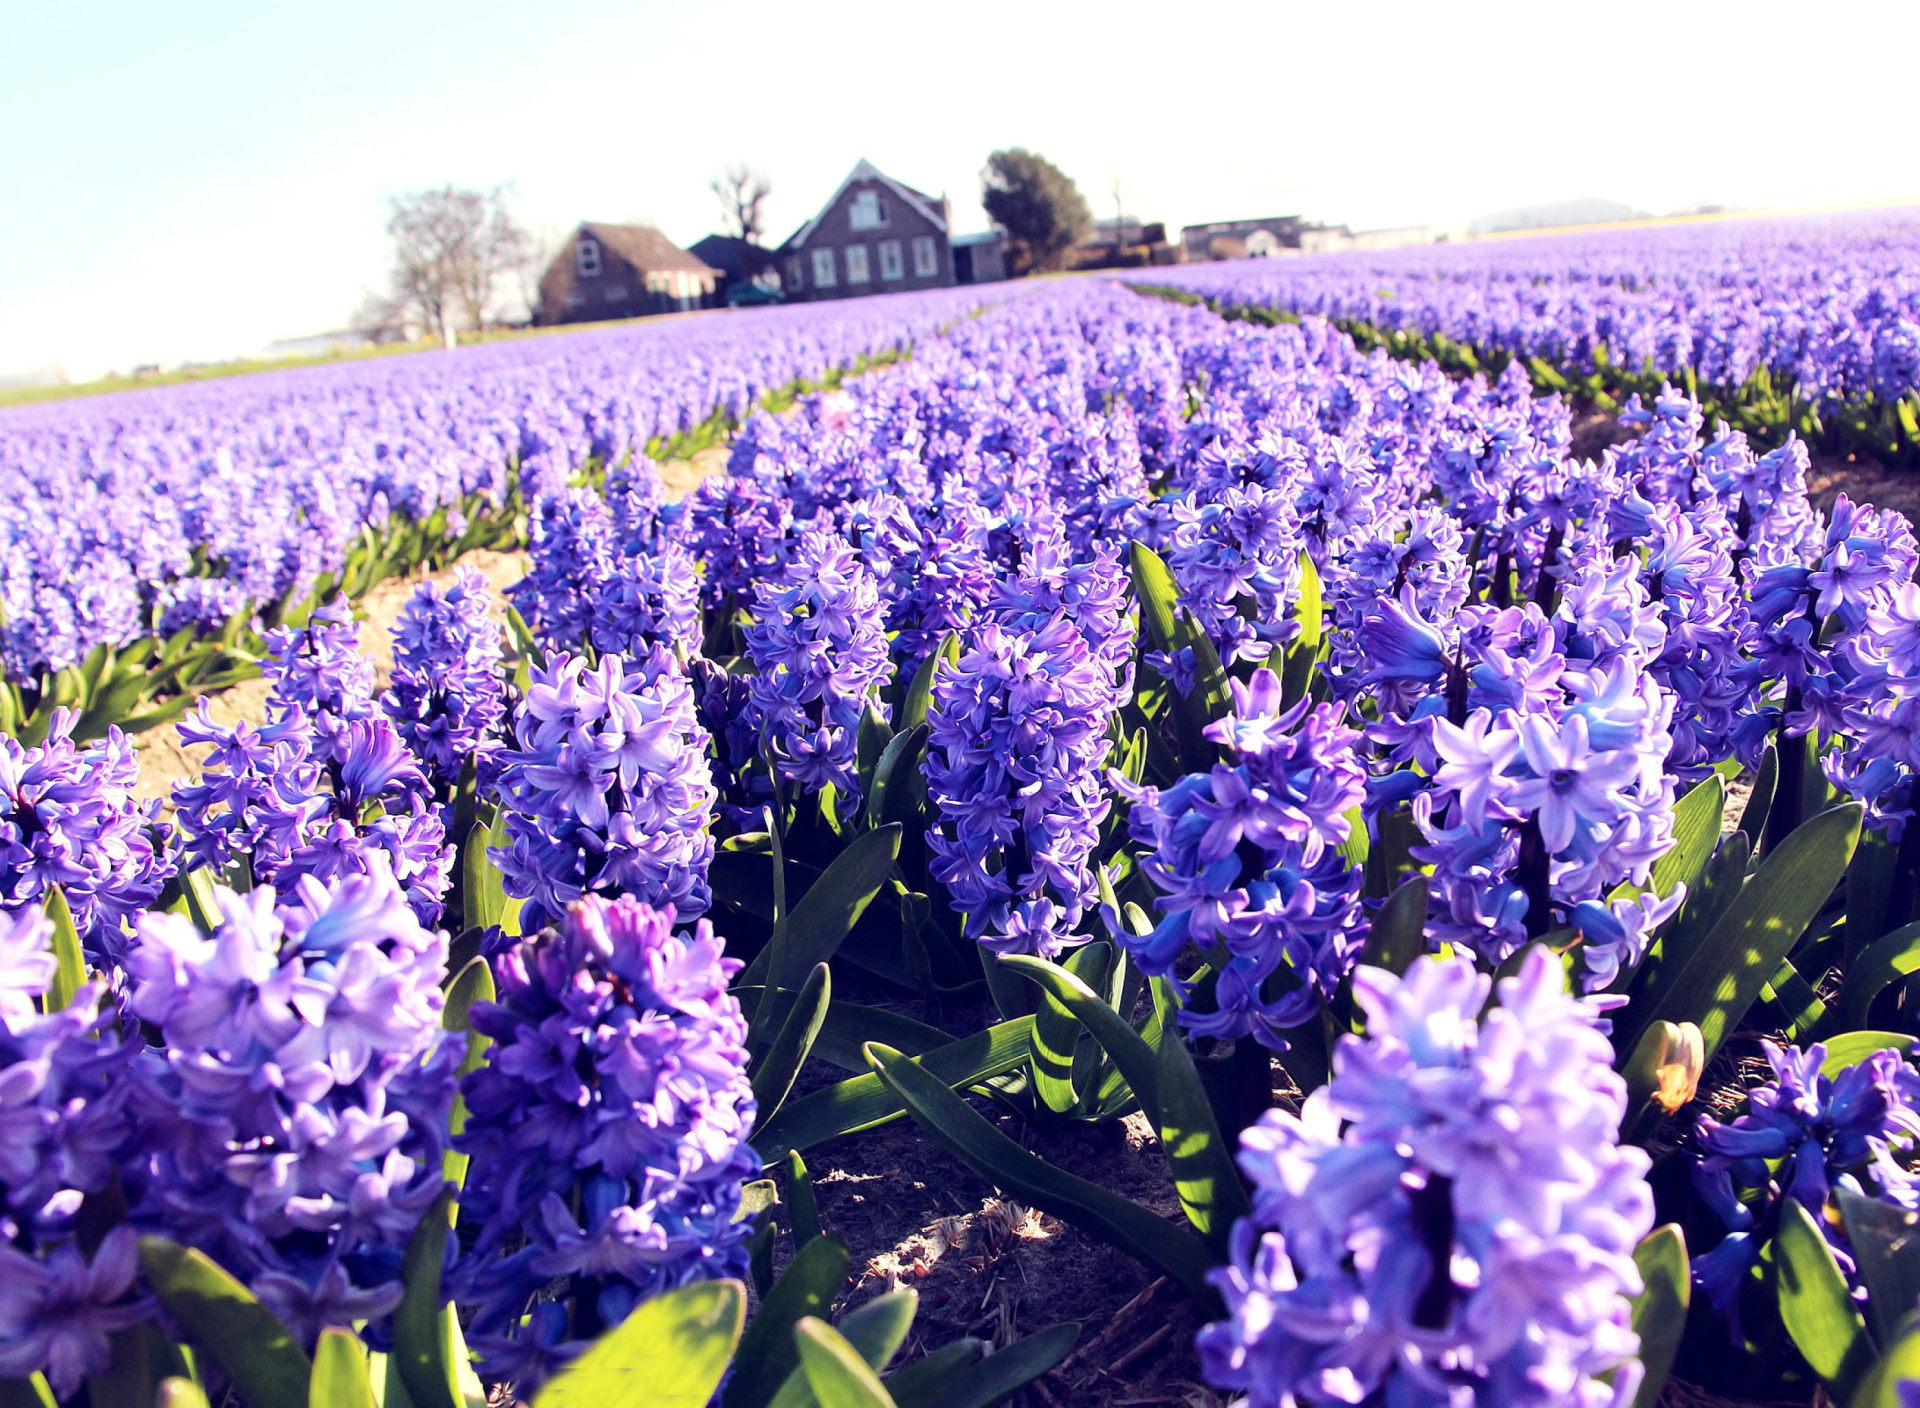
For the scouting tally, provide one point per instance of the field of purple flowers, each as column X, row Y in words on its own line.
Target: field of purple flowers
column 1809, row 325
column 1466, row 889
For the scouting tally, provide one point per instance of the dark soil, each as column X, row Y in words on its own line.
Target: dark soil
column 913, row 1215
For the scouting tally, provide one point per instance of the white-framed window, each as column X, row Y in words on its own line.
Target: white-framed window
column 926, row 258
column 586, row 257
column 868, row 212
column 891, row 264
column 824, row 273
column 793, row 272
column 858, row 271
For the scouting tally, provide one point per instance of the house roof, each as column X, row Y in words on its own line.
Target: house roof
column 646, row 248
column 865, row 170
column 731, row 255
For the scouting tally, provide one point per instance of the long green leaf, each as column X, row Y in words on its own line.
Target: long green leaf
column 1056, row 1031
column 768, row 1354
column 1881, row 1388
column 926, row 1382
column 419, row 1339
column 483, row 894
column 1815, row 1305
column 1696, row 831
column 996, row 1378
column 827, row 913
column 341, row 1376
column 671, row 1352
column 1886, row 1245
column 1660, row 1310
column 1880, row 965
column 849, row 1026
column 913, row 711
column 836, row 1373
column 1398, row 934
column 222, row 1316
column 1717, row 982
column 473, row 983
column 779, row 1065
column 892, row 777
column 1851, row 1048
column 72, row 962
column 865, row 1101
column 1204, row 1175
column 876, row 1331
column 1130, row 1054
column 993, row 1156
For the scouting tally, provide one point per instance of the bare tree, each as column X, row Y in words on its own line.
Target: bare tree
column 451, row 247
column 742, row 193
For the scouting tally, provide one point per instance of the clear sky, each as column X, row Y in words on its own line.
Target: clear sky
column 192, row 180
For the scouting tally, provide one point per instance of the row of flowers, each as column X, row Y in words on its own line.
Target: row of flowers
column 1328, row 759
column 1811, row 323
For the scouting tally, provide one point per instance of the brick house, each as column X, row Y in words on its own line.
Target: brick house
column 621, row 271
column 875, row 235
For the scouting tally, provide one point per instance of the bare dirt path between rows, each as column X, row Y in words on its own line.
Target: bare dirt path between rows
column 166, row 761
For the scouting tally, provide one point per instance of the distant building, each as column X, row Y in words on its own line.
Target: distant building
column 621, row 271
column 979, row 259
column 1240, row 239
column 1288, row 234
column 875, row 235
column 738, row 262
column 1123, row 242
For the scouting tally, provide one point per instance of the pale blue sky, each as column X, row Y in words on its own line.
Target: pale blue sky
column 196, row 179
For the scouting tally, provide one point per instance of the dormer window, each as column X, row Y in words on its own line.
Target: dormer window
column 868, row 211
column 587, row 257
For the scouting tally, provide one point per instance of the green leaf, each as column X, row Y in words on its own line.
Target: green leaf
column 989, row 1153
column 1130, row 1054
column 1869, row 888
column 827, row 913
column 803, row 1209
column 925, row 1382
column 865, row 1101
column 1851, row 1048
column 891, row 777
column 1717, row 982
column 849, row 1026
column 340, row 1372
column 1660, row 1310
column 420, row 1348
column 1696, row 831
column 1753, row 818
column 767, row 1354
column 1204, row 1174
column 835, row 1372
column 779, row 1065
column 1398, row 934
column 473, row 983
column 1881, row 1387
column 1880, row 965
column 1886, row 1246
column 876, row 1331
column 1355, row 848
column 72, row 960
column 483, row 894
column 670, row 1353
column 1815, row 1306
column 1056, row 1031
column 913, row 711
column 1304, row 651
column 222, row 1316
column 1000, row 1375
